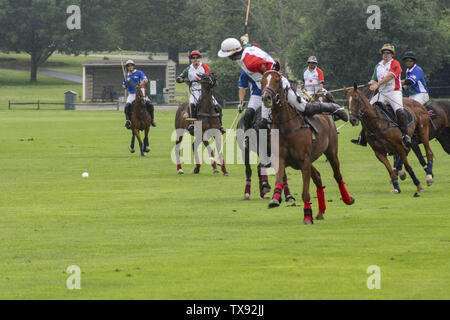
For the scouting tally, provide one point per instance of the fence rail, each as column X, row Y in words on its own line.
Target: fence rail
column 39, row 104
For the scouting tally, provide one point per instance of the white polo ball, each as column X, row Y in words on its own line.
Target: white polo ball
column 85, row 175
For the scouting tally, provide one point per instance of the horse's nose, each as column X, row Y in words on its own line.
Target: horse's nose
column 267, row 100
column 354, row 121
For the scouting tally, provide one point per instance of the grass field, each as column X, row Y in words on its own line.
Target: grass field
column 138, row 230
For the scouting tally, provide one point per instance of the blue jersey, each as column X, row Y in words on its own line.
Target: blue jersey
column 415, row 74
column 245, row 80
column 133, row 79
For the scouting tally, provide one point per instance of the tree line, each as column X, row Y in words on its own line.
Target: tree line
column 336, row 32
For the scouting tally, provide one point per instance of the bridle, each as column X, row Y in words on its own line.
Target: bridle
column 277, row 103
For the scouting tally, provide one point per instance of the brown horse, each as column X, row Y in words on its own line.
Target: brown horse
column 439, row 112
column 300, row 145
column 207, row 126
column 384, row 136
column 140, row 121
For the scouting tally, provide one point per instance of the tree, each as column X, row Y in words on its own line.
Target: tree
column 39, row 28
column 348, row 51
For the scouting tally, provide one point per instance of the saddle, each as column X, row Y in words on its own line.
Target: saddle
column 390, row 115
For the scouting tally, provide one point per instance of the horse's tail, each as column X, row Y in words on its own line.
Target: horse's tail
column 444, row 139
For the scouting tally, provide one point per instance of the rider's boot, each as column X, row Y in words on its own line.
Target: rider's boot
column 151, row 110
column 329, row 107
column 361, row 140
column 403, row 125
column 249, row 115
column 127, row 111
column 193, row 115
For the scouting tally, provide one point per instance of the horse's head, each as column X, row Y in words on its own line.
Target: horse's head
column 324, row 96
column 141, row 93
column 355, row 104
column 208, row 80
column 271, row 88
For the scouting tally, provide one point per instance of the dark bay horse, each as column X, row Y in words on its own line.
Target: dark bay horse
column 439, row 112
column 385, row 137
column 140, row 121
column 206, row 126
column 300, row 145
column 247, row 145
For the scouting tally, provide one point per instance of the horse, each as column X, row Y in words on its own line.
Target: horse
column 207, row 119
column 300, row 145
column 439, row 112
column 246, row 147
column 140, row 121
column 384, row 136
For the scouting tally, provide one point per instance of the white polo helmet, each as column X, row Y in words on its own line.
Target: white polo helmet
column 229, row 46
column 130, row 62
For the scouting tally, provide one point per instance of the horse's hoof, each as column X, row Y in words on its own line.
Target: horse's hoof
column 290, row 198
column 274, row 203
column 307, row 221
column 180, row 172
column 247, row 196
column 147, row 150
column 265, row 188
column 420, row 189
column 395, row 191
column 264, row 196
column 132, row 150
column 352, row 201
column 402, row 175
column 216, row 171
column 430, row 180
column 143, row 155
column 196, row 171
column 226, row 174
column 320, row 216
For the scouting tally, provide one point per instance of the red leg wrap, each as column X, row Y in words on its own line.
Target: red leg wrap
column 344, row 194
column 321, row 199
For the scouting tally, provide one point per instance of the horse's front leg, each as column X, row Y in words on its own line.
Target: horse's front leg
column 306, row 197
column 133, row 139
column 279, row 185
column 218, row 140
column 195, row 146
column 178, row 154
column 248, row 172
column 408, row 168
column 211, row 156
column 394, row 179
column 141, row 144
column 146, row 142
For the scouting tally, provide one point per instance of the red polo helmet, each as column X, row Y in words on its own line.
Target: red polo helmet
column 195, row 53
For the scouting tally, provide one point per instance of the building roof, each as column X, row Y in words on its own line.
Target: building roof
column 104, row 63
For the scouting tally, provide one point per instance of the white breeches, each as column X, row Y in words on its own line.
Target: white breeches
column 255, row 102
column 421, row 97
column 394, row 98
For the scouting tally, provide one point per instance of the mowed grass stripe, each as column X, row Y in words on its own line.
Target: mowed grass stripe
column 138, row 230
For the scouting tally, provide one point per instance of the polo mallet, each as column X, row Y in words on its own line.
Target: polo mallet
column 344, row 88
column 246, row 34
column 121, row 60
column 246, row 18
column 235, row 119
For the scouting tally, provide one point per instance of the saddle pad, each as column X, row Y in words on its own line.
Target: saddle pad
column 431, row 112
